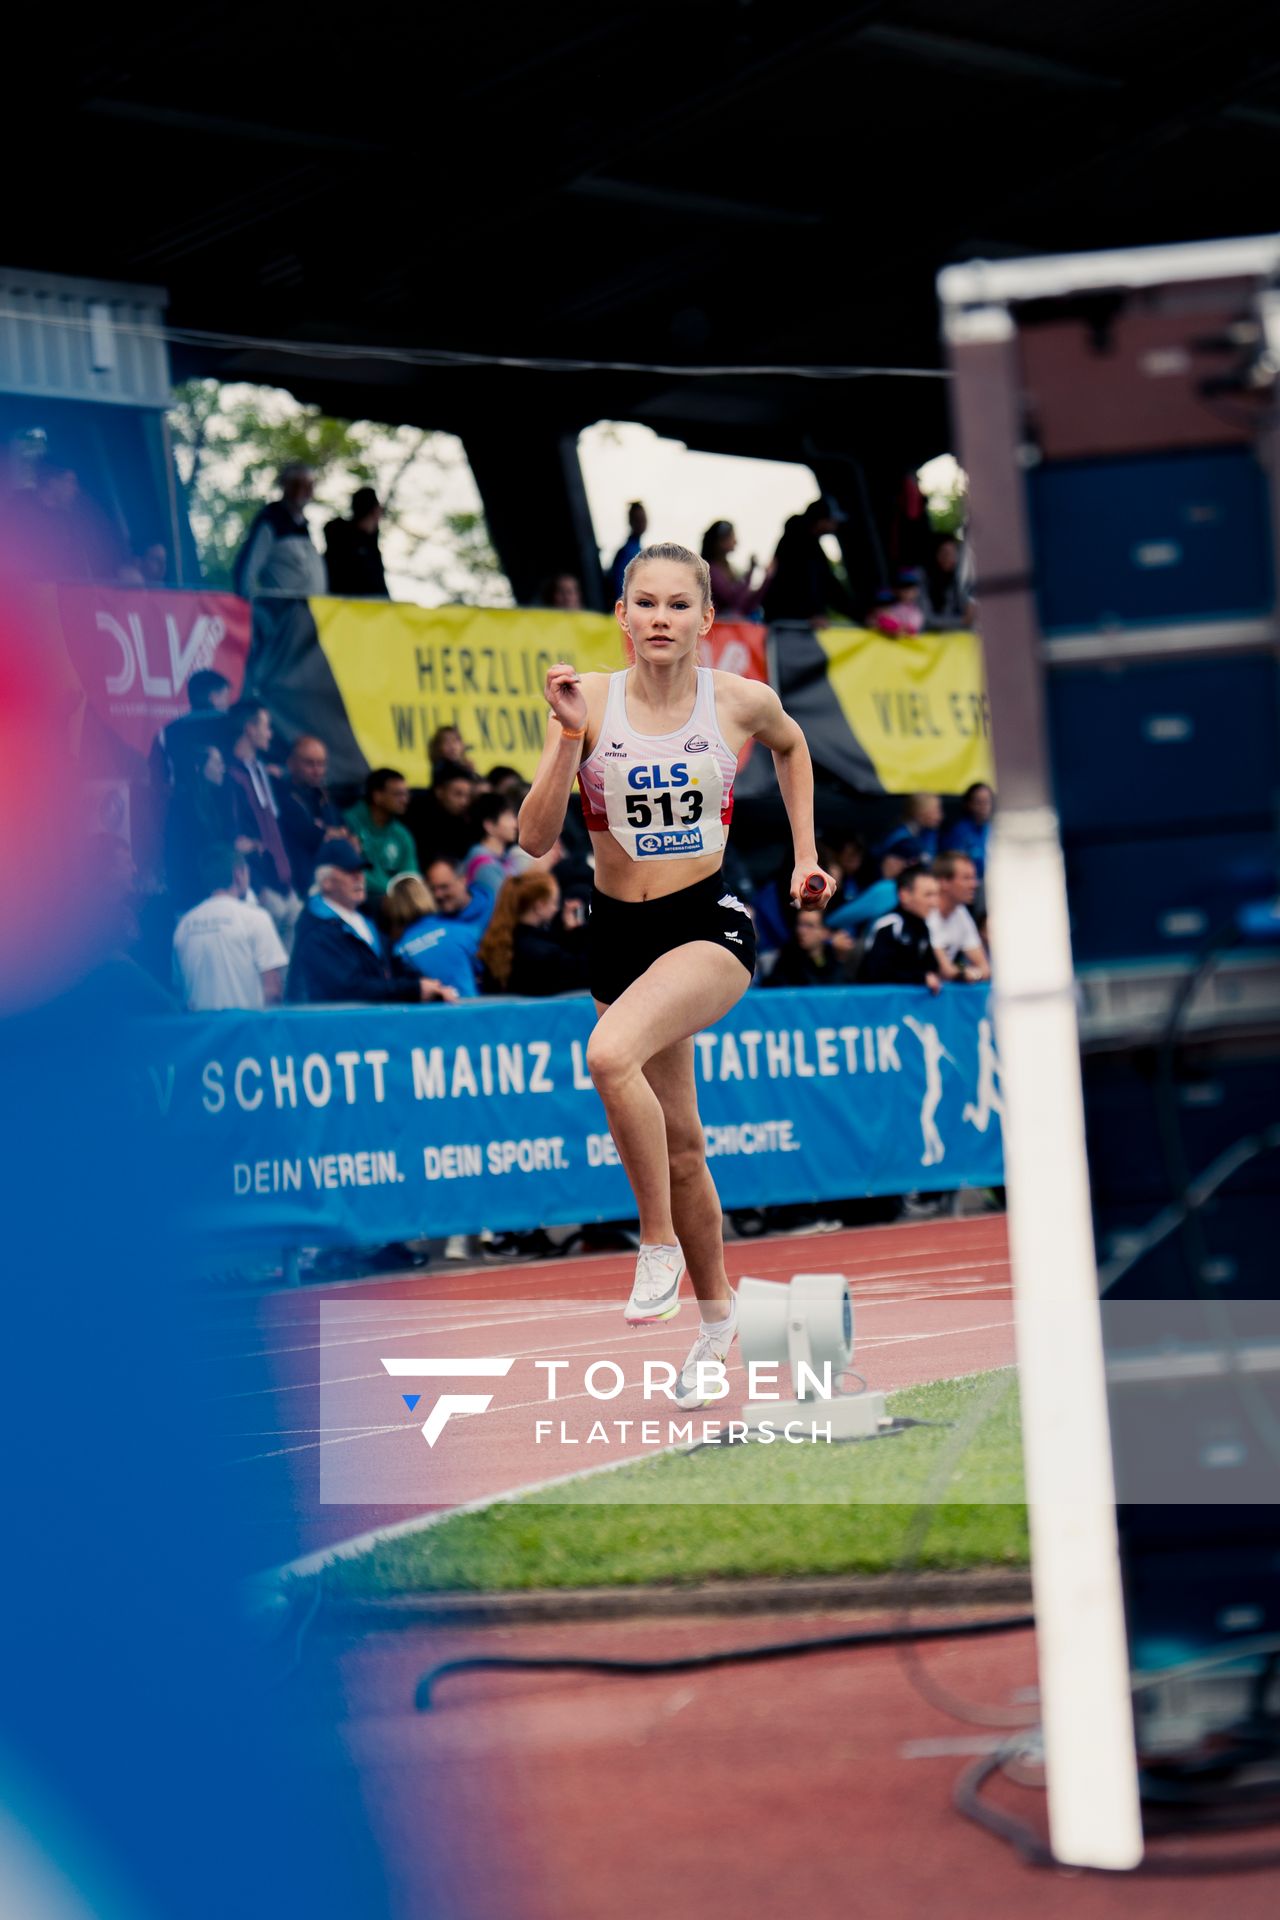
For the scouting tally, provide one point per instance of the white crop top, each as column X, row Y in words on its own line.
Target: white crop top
column 663, row 796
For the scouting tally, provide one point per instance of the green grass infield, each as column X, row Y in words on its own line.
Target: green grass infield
column 948, row 1495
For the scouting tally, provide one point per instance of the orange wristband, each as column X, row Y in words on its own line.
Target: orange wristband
column 572, row 733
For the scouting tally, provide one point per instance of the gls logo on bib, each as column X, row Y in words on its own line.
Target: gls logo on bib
column 673, row 773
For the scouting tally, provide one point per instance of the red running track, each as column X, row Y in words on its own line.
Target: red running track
column 309, row 1468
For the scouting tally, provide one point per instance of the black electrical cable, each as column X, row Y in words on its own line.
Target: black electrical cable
column 721, row 1657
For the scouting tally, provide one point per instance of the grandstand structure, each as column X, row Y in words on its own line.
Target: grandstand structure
column 733, row 186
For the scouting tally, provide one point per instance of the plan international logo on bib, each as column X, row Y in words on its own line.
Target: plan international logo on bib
column 685, row 840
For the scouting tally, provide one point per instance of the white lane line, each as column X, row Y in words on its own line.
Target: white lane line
column 309, row 1446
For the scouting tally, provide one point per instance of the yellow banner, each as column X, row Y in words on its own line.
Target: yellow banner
column 403, row 671
column 917, row 704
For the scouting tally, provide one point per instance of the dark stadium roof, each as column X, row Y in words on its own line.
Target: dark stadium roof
column 729, row 183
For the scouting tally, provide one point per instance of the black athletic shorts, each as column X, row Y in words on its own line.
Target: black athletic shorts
column 625, row 937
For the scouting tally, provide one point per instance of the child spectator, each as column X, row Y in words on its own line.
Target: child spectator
column 900, row 952
column 495, row 857
column 522, row 951
column 902, row 611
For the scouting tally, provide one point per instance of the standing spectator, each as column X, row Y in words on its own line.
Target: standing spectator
column 339, row 954
column 150, row 568
column 201, row 815
column 427, row 941
column 308, row 817
column 900, row 952
column 734, row 596
column 921, row 819
column 881, row 896
column 805, row 585
column 949, row 586
column 637, row 527
column 278, row 556
column 952, row 927
column 507, row 780
column 352, row 556
column 53, row 531
column 227, row 953
column 377, row 822
column 495, row 856
column 257, row 818
column 523, row 952
column 447, row 743
column 815, row 956
column 440, row 820
column 178, row 748
column 561, row 590
column 968, row 833
column 903, row 610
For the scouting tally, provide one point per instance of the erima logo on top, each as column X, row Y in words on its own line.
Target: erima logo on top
column 671, row 773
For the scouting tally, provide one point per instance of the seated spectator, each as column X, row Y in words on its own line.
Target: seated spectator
column 814, row 956
column 178, row 749
column 921, row 819
column 903, row 610
column 734, row 596
column 339, row 953
column 952, row 927
column 447, row 743
column 53, row 531
column 150, row 568
column 308, row 817
column 949, row 602
column 507, row 780
column 201, row 815
column 377, row 822
column 881, row 896
column 278, row 555
column 227, row 953
column 804, row 584
column 899, row 952
column 441, row 945
column 523, row 951
column 440, row 819
column 352, row 556
column 968, row 833
column 562, row 590
column 257, row 820
column 495, row 857
column 637, row 527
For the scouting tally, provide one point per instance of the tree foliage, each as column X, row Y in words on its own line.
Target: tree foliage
column 231, row 442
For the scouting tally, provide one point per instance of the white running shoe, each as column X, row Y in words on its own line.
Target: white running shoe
column 713, row 1343
column 655, row 1294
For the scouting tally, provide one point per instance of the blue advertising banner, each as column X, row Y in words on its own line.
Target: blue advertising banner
column 305, row 1125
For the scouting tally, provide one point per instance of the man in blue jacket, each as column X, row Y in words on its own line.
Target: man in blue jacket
column 338, row 954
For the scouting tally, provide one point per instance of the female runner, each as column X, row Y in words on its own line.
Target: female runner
column 654, row 748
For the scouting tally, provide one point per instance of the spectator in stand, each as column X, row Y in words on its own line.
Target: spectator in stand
column 150, row 568
column 523, row 951
column 256, row 816
column 352, row 556
column 949, row 586
column 881, row 896
column 921, row 820
column 900, row 952
column 734, row 598
column 968, row 832
column 201, row 815
column 441, row 819
column 339, row 953
column 507, row 780
column 427, row 938
column 952, row 927
column 308, row 817
column 227, row 953
column 637, row 527
column 278, row 556
column 902, row 611
column 447, row 743
column 816, row 955
column 178, row 749
column 378, row 824
column 52, row 531
column 495, row 857
column 805, row 585
column 455, row 900
column 562, row 590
